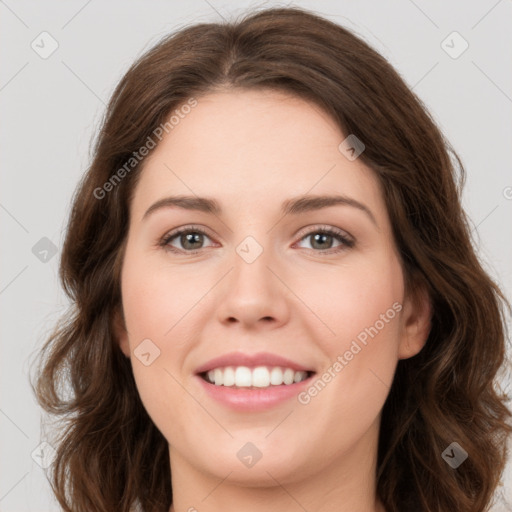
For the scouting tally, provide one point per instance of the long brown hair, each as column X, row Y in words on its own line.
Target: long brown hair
column 110, row 456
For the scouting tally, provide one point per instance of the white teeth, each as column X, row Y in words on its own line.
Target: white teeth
column 218, row 377
column 276, row 376
column 243, row 376
column 288, row 376
column 259, row 377
column 229, row 377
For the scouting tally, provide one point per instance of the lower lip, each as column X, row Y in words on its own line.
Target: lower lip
column 251, row 399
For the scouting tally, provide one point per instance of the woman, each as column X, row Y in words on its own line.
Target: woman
column 248, row 370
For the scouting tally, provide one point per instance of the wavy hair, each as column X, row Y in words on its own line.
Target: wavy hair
column 109, row 454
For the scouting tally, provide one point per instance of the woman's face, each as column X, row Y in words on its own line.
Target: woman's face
column 251, row 279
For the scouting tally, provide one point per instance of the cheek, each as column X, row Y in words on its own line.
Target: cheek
column 155, row 303
column 362, row 305
column 360, row 301
column 156, row 299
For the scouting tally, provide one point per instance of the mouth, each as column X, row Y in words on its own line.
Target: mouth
column 259, row 377
column 245, row 389
column 253, row 383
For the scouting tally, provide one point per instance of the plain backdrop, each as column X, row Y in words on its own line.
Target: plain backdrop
column 51, row 106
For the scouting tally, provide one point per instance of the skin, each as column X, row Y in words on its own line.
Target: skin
column 251, row 150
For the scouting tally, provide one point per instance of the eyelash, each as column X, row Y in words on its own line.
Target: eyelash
column 346, row 242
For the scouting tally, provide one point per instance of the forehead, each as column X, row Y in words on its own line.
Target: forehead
column 251, row 147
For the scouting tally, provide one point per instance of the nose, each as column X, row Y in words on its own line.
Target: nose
column 254, row 293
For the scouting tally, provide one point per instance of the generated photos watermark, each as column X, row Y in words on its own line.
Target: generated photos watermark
column 143, row 151
column 344, row 359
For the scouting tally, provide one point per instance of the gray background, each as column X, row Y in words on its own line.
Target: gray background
column 51, row 109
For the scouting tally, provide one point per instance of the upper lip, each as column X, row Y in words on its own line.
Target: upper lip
column 251, row 360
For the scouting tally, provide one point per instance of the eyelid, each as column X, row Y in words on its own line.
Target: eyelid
column 313, row 228
column 164, row 241
column 347, row 240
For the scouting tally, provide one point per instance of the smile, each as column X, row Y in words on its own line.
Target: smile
column 259, row 377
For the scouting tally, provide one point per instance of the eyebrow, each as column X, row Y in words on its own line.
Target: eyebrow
column 293, row 206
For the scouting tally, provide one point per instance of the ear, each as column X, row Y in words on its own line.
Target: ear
column 416, row 322
column 120, row 332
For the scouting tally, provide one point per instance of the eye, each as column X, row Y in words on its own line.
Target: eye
column 191, row 239
column 322, row 238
